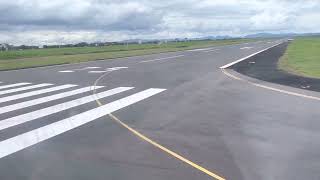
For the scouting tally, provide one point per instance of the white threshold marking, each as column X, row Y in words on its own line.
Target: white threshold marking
column 24, row 88
column 159, row 59
column 246, row 48
column 271, row 88
column 13, row 121
column 33, row 102
column 22, row 141
column 66, row 71
column 13, row 85
column 242, row 59
column 33, row 93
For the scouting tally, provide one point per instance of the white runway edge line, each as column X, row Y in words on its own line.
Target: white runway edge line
column 33, row 102
column 13, row 85
column 33, row 137
column 24, row 88
column 242, row 59
column 271, row 88
column 33, row 93
column 13, row 121
column 159, row 59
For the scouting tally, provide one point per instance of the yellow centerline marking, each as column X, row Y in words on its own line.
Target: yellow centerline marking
column 155, row 144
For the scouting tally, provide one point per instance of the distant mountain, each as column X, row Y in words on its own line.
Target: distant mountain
column 214, row 37
column 270, row 35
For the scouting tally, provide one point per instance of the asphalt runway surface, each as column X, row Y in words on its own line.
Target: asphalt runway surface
column 264, row 66
column 174, row 116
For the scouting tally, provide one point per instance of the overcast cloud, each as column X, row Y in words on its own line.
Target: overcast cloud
column 70, row 21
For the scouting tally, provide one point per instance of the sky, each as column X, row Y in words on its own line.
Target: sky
column 38, row 22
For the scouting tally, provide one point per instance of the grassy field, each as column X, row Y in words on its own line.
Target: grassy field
column 43, row 57
column 302, row 57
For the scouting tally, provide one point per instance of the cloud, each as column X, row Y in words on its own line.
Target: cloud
column 69, row 21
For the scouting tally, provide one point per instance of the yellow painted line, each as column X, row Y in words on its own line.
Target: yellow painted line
column 168, row 151
column 271, row 88
column 157, row 145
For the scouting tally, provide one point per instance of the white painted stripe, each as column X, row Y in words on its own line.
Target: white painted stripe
column 24, row 88
column 33, row 93
column 116, row 68
column 202, row 49
column 13, row 121
column 33, row 102
column 13, row 85
column 246, row 48
column 96, row 72
column 270, row 88
column 161, row 59
column 211, row 50
column 33, row 137
column 242, row 59
column 67, row 71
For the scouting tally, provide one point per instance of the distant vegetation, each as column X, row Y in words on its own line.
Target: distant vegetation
column 303, row 57
column 52, row 56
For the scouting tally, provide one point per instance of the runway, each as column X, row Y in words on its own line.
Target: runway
column 172, row 115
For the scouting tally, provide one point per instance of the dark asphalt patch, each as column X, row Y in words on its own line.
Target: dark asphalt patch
column 264, row 67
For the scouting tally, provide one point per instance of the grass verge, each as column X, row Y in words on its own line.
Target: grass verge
column 44, row 57
column 302, row 57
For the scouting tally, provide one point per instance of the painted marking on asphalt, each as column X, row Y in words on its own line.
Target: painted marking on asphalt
column 13, row 121
column 242, row 59
column 33, row 102
column 159, row 59
column 97, row 72
column 67, row 71
column 162, row 148
column 13, row 85
column 243, row 48
column 24, row 88
column 33, row 93
column 270, row 88
column 166, row 150
column 212, row 50
column 33, row 137
column 201, row 49
column 116, row 68
column 80, row 69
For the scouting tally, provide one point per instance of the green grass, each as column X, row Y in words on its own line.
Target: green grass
column 10, row 60
column 302, row 57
